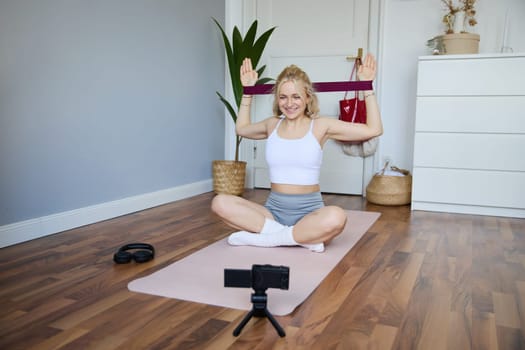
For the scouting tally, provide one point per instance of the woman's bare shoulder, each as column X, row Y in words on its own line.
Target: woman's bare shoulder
column 271, row 123
column 322, row 125
column 322, row 121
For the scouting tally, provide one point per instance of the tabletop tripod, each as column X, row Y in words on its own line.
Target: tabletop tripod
column 259, row 309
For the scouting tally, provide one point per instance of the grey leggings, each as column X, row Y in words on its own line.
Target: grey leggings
column 287, row 209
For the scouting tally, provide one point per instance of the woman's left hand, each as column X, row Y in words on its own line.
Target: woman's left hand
column 367, row 70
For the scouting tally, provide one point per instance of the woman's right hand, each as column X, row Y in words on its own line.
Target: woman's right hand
column 248, row 75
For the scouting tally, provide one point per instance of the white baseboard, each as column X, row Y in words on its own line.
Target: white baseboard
column 469, row 209
column 39, row 227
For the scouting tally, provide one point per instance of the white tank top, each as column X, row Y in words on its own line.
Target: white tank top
column 294, row 161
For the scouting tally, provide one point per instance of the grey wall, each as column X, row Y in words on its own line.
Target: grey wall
column 105, row 99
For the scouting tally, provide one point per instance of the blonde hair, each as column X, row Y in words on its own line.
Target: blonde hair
column 296, row 75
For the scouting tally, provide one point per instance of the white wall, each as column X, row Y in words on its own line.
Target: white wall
column 407, row 25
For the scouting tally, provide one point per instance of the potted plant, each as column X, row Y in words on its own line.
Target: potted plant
column 456, row 39
column 229, row 176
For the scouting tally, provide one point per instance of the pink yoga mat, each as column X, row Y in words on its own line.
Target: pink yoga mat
column 199, row 277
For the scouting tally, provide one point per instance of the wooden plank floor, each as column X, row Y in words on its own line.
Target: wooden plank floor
column 416, row 280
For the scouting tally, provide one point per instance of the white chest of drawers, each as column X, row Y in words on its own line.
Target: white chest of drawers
column 469, row 146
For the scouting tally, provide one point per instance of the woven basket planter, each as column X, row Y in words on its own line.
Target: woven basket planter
column 229, row 177
column 390, row 190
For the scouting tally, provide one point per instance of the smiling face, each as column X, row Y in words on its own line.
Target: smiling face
column 294, row 94
column 292, row 100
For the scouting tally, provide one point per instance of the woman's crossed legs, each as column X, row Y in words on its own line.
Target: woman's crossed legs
column 258, row 226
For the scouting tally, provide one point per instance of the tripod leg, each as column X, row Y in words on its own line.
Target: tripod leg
column 275, row 324
column 243, row 323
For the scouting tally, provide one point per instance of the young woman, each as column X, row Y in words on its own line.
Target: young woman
column 294, row 213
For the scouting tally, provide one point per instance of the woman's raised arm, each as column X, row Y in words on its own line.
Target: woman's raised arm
column 244, row 126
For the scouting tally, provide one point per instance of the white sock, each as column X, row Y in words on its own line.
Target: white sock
column 271, row 226
column 275, row 239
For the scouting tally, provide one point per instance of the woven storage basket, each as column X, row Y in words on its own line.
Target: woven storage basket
column 228, row 176
column 390, row 190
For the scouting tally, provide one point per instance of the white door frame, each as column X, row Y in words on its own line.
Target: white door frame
column 241, row 13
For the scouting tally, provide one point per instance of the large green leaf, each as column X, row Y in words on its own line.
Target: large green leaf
column 264, row 80
column 237, row 45
column 259, row 46
column 228, row 106
column 260, row 71
column 235, row 73
column 248, row 42
column 227, row 48
column 249, row 38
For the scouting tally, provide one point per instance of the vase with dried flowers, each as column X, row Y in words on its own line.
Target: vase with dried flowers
column 457, row 15
column 456, row 40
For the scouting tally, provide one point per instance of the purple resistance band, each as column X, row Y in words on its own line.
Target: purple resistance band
column 263, row 89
